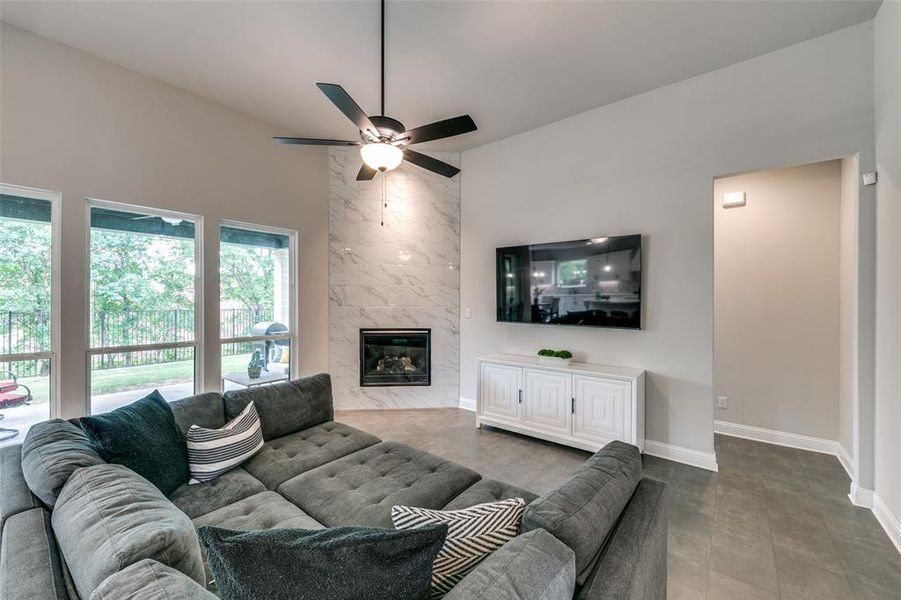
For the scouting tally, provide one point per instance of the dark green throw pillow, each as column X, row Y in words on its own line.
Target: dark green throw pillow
column 341, row 563
column 142, row 436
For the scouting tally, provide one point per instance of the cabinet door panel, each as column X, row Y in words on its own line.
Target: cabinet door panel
column 601, row 409
column 499, row 391
column 547, row 398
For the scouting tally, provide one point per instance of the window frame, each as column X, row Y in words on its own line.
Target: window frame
column 560, row 280
column 53, row 354
column 293, row 300
column 197, row 344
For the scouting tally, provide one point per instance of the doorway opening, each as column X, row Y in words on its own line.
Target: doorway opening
column 785, row 307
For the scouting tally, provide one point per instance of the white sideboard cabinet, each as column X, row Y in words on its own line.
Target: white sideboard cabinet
column 580, row 405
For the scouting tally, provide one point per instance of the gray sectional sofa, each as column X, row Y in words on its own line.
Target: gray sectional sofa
column 72, row 526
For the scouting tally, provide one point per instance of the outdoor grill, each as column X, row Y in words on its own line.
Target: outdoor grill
column 265, row 346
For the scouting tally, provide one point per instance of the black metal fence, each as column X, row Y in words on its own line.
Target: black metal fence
column 22, row 332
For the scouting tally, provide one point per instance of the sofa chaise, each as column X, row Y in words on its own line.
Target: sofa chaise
column 72, row 526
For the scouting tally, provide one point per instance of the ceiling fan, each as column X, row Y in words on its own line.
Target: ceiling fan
column 384, row 141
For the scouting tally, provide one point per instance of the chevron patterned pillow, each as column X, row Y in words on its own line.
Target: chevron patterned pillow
column 212, row 452
column 473, row 533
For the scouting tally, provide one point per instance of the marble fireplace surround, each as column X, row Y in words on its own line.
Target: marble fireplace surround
column 403, row 274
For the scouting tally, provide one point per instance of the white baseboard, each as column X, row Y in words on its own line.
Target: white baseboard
column 861, row 497
column 791, row 440
column 694, row 458
column 467, row 404
column 781, row 438
column 846, row 460
column 889, row 521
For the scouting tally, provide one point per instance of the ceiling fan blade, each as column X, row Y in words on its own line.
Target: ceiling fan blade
column 314, row 141
column 351, row 109
column 440, row 129
column 430, row 164
column 366, row 173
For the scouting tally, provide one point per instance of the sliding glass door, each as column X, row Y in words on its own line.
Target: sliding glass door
column 144, row 314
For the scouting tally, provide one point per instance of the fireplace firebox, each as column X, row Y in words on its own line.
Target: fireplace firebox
column 395, row 357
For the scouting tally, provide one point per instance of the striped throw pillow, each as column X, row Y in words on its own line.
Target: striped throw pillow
column 212, row 452
column 473, row 533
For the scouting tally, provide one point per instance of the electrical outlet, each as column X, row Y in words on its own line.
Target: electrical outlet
column 722, row 402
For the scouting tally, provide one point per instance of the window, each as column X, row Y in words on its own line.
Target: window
column 256, row 303
column 571, row 273
column 144, row 320
column 29, row 269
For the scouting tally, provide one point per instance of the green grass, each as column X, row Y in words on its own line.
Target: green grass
column 107, row 381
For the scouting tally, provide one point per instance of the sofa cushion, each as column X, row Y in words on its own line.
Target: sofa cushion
column 361, row 488
column 329, row 564
column 212, row 452
column 51, row 452
column 534, row 566
column 204, row 410
column 488, row 490
column 472, row 534
column 290, row 455
column 582, row 511
column 285, row 407
column 15, row 497
column 29, row 560
column 202, row 498
column 266, row 510
column 150, row 580
column 142, row 436
column 108, row 517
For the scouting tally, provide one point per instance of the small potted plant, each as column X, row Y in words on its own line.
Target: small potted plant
column 561, row 358
column 255, row 366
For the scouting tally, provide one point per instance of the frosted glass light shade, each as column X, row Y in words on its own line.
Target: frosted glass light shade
column 381, row 156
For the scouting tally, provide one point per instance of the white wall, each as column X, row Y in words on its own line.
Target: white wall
column 777, row 299
column 395, row 266
column 647, row 164
column 888, row 305
column 78, row 125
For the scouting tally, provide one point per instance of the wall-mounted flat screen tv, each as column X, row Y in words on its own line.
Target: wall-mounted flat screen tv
column 594, row 282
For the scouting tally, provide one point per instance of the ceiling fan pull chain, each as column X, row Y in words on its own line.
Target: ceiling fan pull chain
column 384, row 199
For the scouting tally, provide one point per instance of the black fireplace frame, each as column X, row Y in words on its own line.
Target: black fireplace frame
column 397, row 331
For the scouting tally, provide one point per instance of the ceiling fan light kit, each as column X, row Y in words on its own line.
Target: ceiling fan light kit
column 381, row 156
column 384, row 141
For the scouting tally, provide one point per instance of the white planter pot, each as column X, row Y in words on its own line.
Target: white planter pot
column 553, row 360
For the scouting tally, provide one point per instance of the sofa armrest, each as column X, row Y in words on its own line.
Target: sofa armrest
column 633, row 564
column 532, row 566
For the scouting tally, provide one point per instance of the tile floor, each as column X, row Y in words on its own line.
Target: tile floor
column 774, row 523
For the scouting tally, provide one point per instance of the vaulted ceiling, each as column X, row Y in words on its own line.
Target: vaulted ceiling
column 512, row 65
